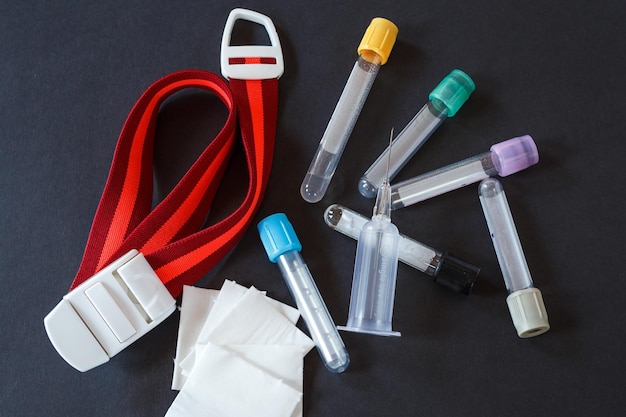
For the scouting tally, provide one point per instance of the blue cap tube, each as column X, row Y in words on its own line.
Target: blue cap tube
column 283, row 248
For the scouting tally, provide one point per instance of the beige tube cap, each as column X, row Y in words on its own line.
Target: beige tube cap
column 528, row 312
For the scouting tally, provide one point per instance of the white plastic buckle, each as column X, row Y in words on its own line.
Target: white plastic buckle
column 251, row 71
column 108, row 312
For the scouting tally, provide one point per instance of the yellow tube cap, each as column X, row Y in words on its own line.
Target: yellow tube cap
column 379, row 38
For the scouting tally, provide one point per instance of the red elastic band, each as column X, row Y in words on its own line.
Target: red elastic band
column 169, row 236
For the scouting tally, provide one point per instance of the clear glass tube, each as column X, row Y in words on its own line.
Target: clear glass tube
column 442, row 180
column 314, row 312
column 342, row 121
column 405, row 145
column 504, row 236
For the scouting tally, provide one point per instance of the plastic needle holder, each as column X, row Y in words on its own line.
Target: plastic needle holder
column 375, row 270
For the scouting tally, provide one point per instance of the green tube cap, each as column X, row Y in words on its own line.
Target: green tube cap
column 453, row 91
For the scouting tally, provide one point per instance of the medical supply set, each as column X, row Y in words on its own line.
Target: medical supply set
column 379, row 243
column 139, row 258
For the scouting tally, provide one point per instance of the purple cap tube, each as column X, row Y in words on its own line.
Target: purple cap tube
column 504, row 158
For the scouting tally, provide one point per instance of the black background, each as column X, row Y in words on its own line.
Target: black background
column 71, row 71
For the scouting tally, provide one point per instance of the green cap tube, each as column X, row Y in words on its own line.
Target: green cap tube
column 453, row 91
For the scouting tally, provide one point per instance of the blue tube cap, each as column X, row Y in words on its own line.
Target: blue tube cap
column 278, row 236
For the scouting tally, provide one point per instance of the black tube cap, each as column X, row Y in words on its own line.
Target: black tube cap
column 456, row 274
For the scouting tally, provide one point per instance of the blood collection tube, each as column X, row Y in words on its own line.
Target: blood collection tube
column 525, row 301
column 374, row 51
column 503, row 159
column 444, row 268
column 283, row 247
column 444, row 101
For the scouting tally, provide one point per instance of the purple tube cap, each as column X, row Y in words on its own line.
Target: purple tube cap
column 514, row 155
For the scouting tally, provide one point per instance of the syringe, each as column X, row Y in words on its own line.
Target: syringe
column 503, row 159
column 444, row 268
column 375, row 271
column 374, row 51
column 283, row 247
column 525, row 301
column 444, row 101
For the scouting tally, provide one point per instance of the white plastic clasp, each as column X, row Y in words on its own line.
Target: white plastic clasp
column 261, row 71
column 108, row 312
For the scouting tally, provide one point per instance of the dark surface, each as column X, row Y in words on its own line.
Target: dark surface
column 72, row 71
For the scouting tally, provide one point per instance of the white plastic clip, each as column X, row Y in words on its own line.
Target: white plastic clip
column 108, row 312
column 261, row 71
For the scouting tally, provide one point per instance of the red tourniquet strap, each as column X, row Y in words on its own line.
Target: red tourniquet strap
column 170, row 235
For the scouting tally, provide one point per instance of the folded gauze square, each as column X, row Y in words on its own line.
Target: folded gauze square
column 239, row 353
column 225, row 385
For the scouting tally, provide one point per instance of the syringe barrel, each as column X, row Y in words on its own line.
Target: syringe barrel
column 374, row 51
column 445, row 269
column 504, row 236
column 504, row 158
column 337, row 133
column 283, row 247
column 374, row 280
column 525, row 301
column 445, row 100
